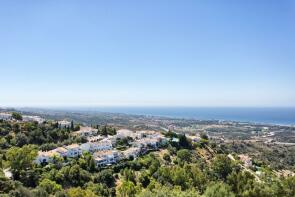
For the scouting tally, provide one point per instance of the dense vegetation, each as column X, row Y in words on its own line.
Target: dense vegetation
column 182, row 169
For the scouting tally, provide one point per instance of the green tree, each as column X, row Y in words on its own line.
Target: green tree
column 72, row 125
column 78, row 192
column 204, row 136
column 144, row 179
column 240, row 182
column 289, row 186
column 37, row 192
column 98, row 189
column 184, row 155
column 222, row 166
column 50, row 186
column 126, row 189
column 21, row 139
column 17, row 116
column 184, row 142
column 218, row 190
column 21, row 159
column 78, row 176
column 6, row 185
column 128, row 175
column 104, row 131
column 106, row 177
column 166, row 157
column 163, row 191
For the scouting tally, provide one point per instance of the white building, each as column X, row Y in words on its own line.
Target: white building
column 63, row 152
column 86, row 132
column 113, row 139
column 106, row 157
column 73, row 150
column 147, row 143
column 33, row 118
column 46, row 156
column 64, row 123
column 94, row 138
column 131, row 152
column 146, row 134
column 5, row 116
column 102, row 145
column 123, row 133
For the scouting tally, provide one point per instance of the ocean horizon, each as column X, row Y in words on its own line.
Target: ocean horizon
column 264, row 115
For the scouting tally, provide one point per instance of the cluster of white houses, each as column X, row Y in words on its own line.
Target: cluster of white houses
column 102, row 148
column 5, row 116
column 26, row 118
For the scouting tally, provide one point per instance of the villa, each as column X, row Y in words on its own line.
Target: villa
column 106, row 157
column 86, row 132
column 46, row 156
column 64, row 123
column 131, row 152
column 94, row 138
column 63, row 152
column 104, row 144
column 33, row 118
column 73, row 150
column 123, row 133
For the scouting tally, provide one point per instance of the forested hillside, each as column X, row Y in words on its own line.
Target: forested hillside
column 180, row 168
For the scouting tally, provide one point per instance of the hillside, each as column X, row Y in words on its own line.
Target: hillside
column 179, row 167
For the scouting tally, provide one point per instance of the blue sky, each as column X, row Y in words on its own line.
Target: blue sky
column 147, row 53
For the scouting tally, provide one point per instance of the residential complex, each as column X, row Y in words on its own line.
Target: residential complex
column 102, row 148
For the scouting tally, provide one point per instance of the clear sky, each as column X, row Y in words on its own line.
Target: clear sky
column 147, row 53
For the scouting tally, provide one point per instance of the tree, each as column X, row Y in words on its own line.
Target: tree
column 163, row 191
column 166, row 157
column 78, row 176
column 72, row 125
column 72, row 175
column 126, row 189
column 240, row 182
column 106, row 177
column 40, row 192
column 144, row 179
column 50, row 186
column 104, row 131
column 197, row 177
column 61, row 193
column 222, row 166
column 184, row 142
column 21, row 159
column 218, row 190
column 204, row 136
column 289, row 186
column 171, row 134
column 180, row 177
column 184, row 155
column 128, row 175
column 78, row 192
column 21, row 139
column 98, row 189
column 17, row 116
column 6, row 185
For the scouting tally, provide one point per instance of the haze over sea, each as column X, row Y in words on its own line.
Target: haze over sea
column 270, row 115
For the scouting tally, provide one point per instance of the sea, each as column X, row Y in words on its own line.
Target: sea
column 266, row 115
